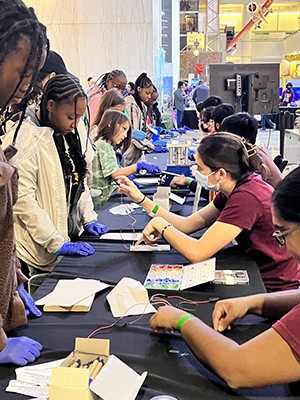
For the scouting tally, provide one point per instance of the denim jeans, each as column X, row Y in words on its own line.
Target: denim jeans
column 179, row 116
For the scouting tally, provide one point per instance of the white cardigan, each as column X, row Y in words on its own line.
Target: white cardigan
column 41, row 212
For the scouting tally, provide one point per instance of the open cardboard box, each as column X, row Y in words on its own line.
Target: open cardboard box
column 73, row 383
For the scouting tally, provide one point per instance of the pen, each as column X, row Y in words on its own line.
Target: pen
column 76, row 364
column 93, row 367
column 96, row 371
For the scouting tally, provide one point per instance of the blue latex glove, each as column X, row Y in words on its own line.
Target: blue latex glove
column 138, row 135
column 160, row 142
column 95, row 228
column 132, row 178
column 78, row 248
column 152, row 168
column 20, row 351
column 30, row 307
column 159, row 149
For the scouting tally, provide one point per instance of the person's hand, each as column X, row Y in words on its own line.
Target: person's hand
column 78, row 248
column 127, row 187
column 227, row 311
column 30, row 307
column 165, row 319
column 147, row 167
column 178, row 181
column 150, row 233
column 20, row 351
column 95, row 228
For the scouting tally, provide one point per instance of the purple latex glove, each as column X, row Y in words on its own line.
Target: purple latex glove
column 30, row 307
column 20, row 351
column 73, row 249
column 95, row 228
column 152, row 168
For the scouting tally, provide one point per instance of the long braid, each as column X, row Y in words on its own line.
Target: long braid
column 66, row 88
column 17, row 22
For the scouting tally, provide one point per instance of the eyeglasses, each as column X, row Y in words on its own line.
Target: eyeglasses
column 280, row 236
column 119, row 87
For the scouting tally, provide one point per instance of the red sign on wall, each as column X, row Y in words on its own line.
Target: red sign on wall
column 199, row 68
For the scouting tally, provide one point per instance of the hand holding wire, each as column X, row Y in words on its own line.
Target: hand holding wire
column 127, row 187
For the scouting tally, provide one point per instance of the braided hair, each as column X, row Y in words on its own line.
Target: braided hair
column 17, row 21
column 109, row 76
column 66, row 88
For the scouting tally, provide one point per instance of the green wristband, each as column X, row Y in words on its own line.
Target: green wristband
column 188, row 181
column 154, row 211
column 182, row 320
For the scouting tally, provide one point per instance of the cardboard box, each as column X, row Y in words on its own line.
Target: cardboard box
column 73, row 383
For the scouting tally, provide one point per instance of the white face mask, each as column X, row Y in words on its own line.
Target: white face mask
column 203, row 181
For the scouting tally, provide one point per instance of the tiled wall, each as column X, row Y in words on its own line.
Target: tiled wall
column 96, row 36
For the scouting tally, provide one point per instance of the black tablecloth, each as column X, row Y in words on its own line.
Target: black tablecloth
column 184, row 378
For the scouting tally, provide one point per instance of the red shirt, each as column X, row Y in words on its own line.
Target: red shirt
column 288, row 328
column 249, row 208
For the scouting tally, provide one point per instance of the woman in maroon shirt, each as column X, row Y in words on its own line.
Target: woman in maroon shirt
column 241, row 211
column 272, row 357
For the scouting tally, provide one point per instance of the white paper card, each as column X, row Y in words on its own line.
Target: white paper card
column 27, row 389
column 126, row 236
column 68, row 292
column 177, row 199
column 198, row 273
column 129, row 297
column 117, row 381
column 145, row 247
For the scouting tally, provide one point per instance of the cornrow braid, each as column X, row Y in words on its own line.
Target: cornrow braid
column 108, row 76
column 66, row 88
column 17, row 22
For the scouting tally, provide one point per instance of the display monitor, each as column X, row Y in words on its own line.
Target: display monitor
column 248, row 87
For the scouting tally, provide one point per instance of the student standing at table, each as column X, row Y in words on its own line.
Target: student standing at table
column 114, row 131
column 114, row 79
column 273, row 357
column 22, row 53
column 137, row 113
column 240, row 211
column 54, row 203
column 111, row 100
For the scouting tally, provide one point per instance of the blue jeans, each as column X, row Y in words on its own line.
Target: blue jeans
column 179, row 115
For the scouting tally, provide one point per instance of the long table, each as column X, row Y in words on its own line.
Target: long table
column 184, row 378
